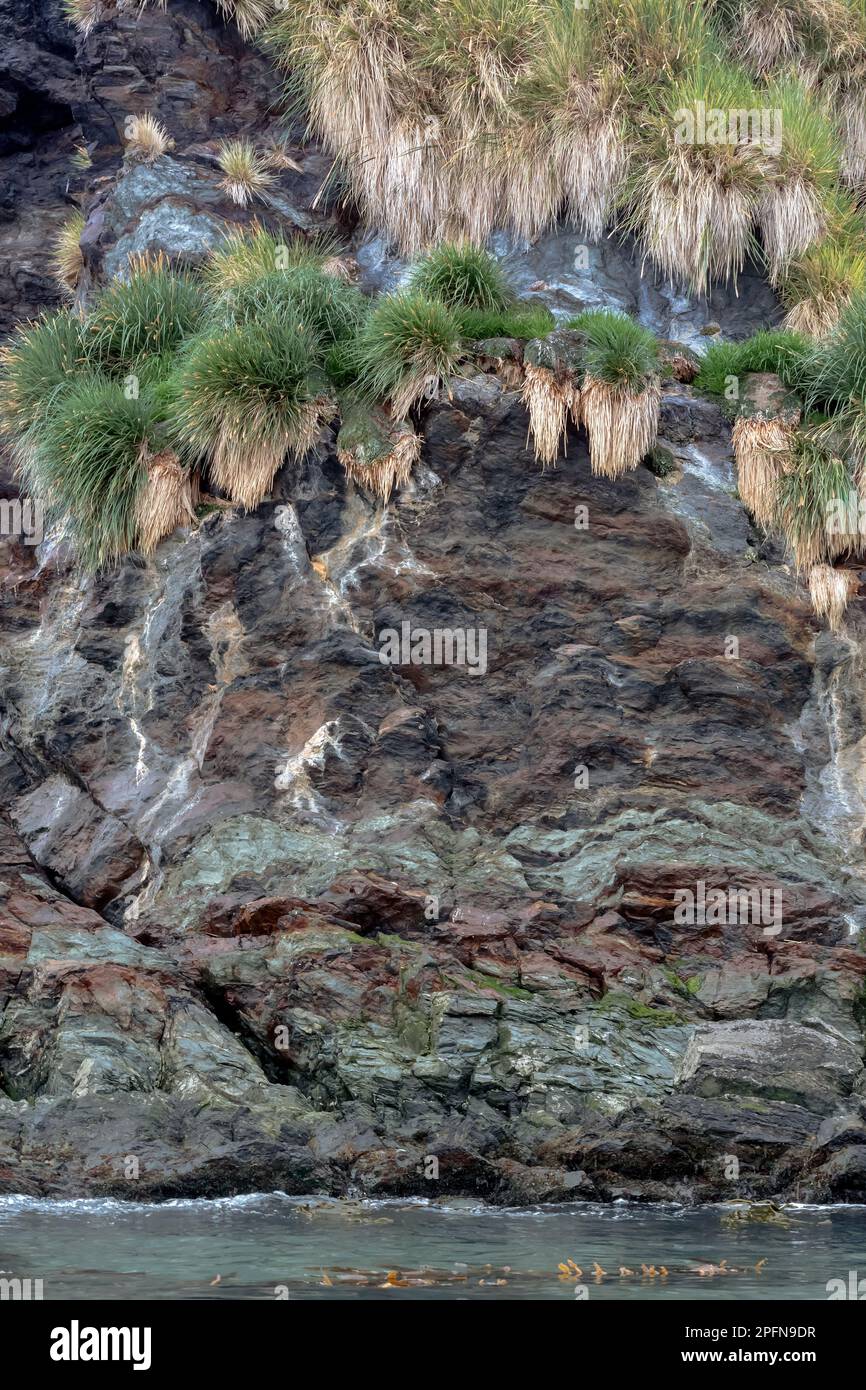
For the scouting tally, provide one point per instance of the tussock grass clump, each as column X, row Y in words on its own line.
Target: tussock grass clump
column 246, row 174
column 474, row 53
column 146, row 316
column 552, row 374
column 67, row 261
column 830, row 591
column 146, row 138
column 821, row 283
column 809, row 497
column 408, row 347
column 835, row 382
column 89, row 464
column 84, row 14
column 320, row 307
column 523, row 321
column 451, row 119
column 771, row 34
column 653, row 41
column 37, row 365
column 724, row 365
column 248, row 253
column 762, row 448
column 619, row 350
column 376, row 453
column 693, row 201
column 243, row 401
column 620, row 397
column 351, row 65
column 838, row 370
column 575, row 151
column 463, row 276
column 842, row 71
column 798, row 199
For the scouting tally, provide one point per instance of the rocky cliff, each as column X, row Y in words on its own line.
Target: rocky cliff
column 277, row 914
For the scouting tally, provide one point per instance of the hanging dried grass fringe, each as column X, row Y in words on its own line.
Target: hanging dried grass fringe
column 761, row 448
column 548, row 398
column 622, row 425
column 165, row 501
column 830, row 591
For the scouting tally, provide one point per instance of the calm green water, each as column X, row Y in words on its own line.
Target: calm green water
column 268, row 1246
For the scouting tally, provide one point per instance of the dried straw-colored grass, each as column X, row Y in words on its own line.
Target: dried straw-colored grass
column 309, row 424
column 245, row 171
column 411, row 182
column 762, row 448
column 548, row 397
column 791, row 215
column 343, row 268
column 67, row 261
column 622, row 425
column 695, row 218
column 248, row 452
column 815, row 316
column 525, row 171
column 277, row 157
column 84, row 14
column 852, row 121
column 353, row 61
column 250, row 16
column 821, row 283
column 591, row 158
column 415, row 387
column 165, row 502
column 146, row 138
column 382, row 475
column 244, row 463
column 767, row 36
column 831, row 591
column 507, row 369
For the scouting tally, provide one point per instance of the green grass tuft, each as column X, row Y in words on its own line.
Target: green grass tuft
column 463, row 277
column 36, row 366
column 618, row 350
column 808, row 495
column 319, row 307
column 407, row 347
column 87, row 464
column 251, row 379
column 149, row 314
column 517, row 321
column 249, row 253
column 771, row 350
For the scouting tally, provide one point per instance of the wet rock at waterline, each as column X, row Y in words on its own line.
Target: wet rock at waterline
column 279, row 914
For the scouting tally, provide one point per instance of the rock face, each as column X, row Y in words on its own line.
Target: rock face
column 281, row 914
column 39, row 90
column 63, row 94
column 577, row 916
